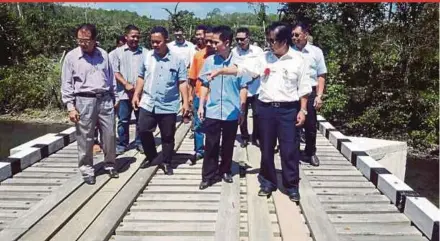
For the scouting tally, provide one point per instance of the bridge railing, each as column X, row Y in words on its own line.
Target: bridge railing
column 419, row 210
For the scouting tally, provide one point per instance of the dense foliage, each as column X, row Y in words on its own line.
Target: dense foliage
column 382, row 58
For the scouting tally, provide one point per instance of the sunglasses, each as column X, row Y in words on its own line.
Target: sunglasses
column 296, row 35
column 240, row 39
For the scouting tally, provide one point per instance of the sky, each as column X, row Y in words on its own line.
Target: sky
column 155, row 11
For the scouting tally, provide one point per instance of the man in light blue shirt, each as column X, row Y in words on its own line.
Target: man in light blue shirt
column 127, row 60
column 162, row 75
column 317, row 71
column 224, row 109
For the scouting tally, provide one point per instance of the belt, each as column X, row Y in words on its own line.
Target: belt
column 93, row 95
column 280, row 104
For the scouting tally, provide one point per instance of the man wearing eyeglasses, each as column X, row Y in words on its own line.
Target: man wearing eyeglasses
column 317, row 70
column 243, row 51
column 161, row 77
column 88, row 88
column 204, row 41
column 282, row 101
column 126, row 63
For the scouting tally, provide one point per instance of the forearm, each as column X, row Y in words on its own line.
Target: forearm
column 120, row 79
column 303, row 102
column 183, row 87
column 190, row 88
column 243, row 98
column 230, row 70
column 203, row 94
column 139, row 86
column 321, row 85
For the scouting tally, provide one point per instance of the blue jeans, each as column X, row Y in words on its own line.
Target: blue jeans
column 198, row 135
column 124, row 117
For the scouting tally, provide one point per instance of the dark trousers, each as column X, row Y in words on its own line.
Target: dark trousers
column 148, row 122
column 244, row 127
column 278, row 123
column 310, row 125
column 213, row 129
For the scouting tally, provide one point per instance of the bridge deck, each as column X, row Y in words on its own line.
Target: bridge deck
column 49, row 201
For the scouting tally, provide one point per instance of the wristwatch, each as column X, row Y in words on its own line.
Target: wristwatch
column 304, row 111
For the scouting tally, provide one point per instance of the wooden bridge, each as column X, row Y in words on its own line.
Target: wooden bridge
column 348, row 197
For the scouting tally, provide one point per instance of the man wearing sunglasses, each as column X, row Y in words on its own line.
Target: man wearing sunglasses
column 204, row 41
column 282, row 101
column 88, row 88
column 317, row 70
column 161, row 77
column 243, row 51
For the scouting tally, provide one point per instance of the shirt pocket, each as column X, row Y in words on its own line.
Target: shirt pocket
column 290, row 78
column 173, row 75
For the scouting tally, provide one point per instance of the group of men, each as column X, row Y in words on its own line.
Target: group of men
column 216, row 81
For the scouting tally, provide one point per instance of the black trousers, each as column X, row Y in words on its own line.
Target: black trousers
column 310, row 125
column 278, row 123
column 148, row 121
column 213, row 129
column 252, row 100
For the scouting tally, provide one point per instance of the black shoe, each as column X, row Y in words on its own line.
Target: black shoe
column 204, row 184
column 196, row 157
column 244, row 143
column 140, row 148
column 294, row 195
column 113, row 173
column 167, row 169
column 314, row 161
column 91, row 180
column 145, row 163
column 265, row 192
column 227, row 178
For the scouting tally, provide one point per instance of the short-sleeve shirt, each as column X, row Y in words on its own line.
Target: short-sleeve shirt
column 316, row 61
column 242, row 55
column 224, row 96
column 161, row 82
column 196, row 67
column 127, row 63
column 185, row 50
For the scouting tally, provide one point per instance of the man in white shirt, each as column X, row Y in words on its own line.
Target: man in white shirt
column 184, row 49
column 243, row 51
column 282, row 102
column 317, row 70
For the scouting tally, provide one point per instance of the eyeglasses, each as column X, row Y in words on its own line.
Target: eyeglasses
column 208, row 41
column 83, row 41
column 240, row 39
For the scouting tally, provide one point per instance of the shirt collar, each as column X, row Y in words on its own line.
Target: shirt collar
column 288, row 55
column 125, row 48
column 228, row 59
column 306, row 47
column 167, row 56
column 184, row 44
column 81, row 54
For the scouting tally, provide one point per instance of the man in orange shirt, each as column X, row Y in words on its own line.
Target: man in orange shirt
column 204, row 43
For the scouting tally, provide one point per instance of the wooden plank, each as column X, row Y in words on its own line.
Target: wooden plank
column 338, row 178
column 369, row 218
column 22, row 196
column 346, row 191
column 381, row 238
column 52, row 170
column 27, row 189
column 373, row 229
column 10, row 214
column 182, row 189
column 342, row 184
column 227, row 226
column 44, row 175
column 174, row 216
column 329, row 167
column 319, row 223
column 82, row 219
column 167, row 229
column 360, row 208
column 105, row 224
column 260, row 227
column 21, row 205
column 176, row 182
column 56, row 165
column 178, row 198
column 175, row 206
column 161, row 238
column 354, row 199
column 33, row 181
column 332, row 173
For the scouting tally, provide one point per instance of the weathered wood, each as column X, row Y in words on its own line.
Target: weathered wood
column 173, row 216
column 167, row 229
column 342, row 184
column 320, row 225
column 373, row 229
column 105, row 224
column 44, row 175
column 260, row 227
column 381, row 238
column 360, row 208
column 354, row 199
column 32, row 181
column 161, row 238
column 175, row 206
column 329, row 167
column 20, row 205
column 227, row 226
column 369, row 218
column 177, row 198
column 182, row 189
column 22, row 196
column 338, row 178
column 176, row 182
column 332, row 173
column 52, row 170
column 27, row 189
column 346, row 191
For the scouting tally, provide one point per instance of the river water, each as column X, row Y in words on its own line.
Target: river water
column 14, row 133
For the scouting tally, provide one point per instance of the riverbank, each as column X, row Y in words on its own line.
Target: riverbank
column 47, row 116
